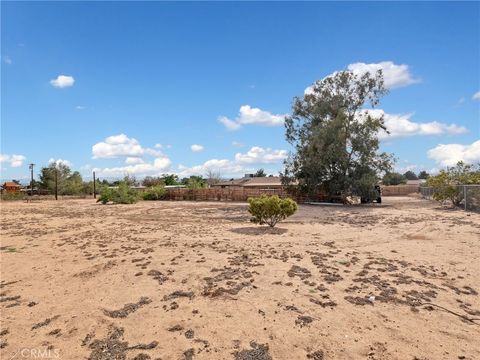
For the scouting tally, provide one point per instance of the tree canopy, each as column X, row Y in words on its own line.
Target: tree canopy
column 335, row 138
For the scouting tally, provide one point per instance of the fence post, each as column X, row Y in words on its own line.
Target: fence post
column 465, row 196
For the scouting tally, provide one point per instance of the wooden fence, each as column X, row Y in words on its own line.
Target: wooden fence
column 219, row 194
column 242, row 194
column 399, row 190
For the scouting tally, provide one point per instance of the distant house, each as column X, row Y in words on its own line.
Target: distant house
column 11, row 187
column 418, row 182
column 250, row 182
column 231, row 184
column 264, row 183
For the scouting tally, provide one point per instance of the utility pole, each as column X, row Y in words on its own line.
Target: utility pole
column 56, row 183
column 94, row 186
column 31, row 181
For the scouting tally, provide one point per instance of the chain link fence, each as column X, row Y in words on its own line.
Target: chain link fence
column 468, row 196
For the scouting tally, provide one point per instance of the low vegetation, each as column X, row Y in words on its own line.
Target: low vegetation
column 445, row 184
column 270, row 209
column 156, row 192
column 123, row 194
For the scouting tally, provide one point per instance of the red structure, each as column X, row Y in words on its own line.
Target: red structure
column 11, row 187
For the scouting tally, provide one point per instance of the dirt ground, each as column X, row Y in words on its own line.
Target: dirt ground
column 183, row 280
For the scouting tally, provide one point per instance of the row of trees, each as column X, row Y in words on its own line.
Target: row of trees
column 67, row 182
column 395, row 178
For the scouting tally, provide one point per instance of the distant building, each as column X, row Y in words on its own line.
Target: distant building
column 11, row 187
column 264, row 183
column 250, row 182
column 231, row 184
column 416, row 182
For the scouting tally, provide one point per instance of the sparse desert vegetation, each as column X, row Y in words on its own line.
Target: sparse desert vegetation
column 198, row 280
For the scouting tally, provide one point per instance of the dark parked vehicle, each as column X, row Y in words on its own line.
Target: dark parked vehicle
column 374, row 196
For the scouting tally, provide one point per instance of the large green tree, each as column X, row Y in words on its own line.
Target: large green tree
column 410, row 175
column 55, row 172
column 68, row 182
column 394, row 178
column 335, row 137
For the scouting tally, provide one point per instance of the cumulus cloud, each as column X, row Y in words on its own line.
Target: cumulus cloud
column 59, row 162
column 62, row 81
column 134, row 160
column 157, row 167
column 241, row 164
column 14, row 160
column 394, row 75
column 476, row 96
column 117, row 146
column 121, row 146
column 248, row 115
column 259, row 155
column 401, row 125
column 196, row 148
column 450, row 154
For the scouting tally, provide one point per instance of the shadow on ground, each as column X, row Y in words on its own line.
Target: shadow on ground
column 259, row 230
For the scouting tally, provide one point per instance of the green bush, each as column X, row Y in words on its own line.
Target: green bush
column 445, row 184
column 270, row 209
column 123, row 194
column 12, row 196
column 156, row 192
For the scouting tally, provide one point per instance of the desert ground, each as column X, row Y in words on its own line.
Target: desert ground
column 197, row 280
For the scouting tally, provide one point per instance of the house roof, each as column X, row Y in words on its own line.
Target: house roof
column 11, row 184
column 233, row 182
column 264, row 181
column 416, row 182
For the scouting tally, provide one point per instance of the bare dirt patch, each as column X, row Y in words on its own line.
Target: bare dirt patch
column 199, row 281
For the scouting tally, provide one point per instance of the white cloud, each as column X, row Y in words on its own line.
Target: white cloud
column 476, row 96
column 242, row 163
column 196, row 148
column 400, row 125
column 450, row 154
column 134, row 160
column 14, row 160
column 59, row 162
column 117, row 146
column 62, row 81
column 237, row 144
column 248, row 115
column 229, row 124
column 394, row 75
column 157, row 167
column 259, row 155
column 7, row 60
column 79, row 107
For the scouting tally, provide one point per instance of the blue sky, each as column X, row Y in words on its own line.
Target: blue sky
column 130, row 87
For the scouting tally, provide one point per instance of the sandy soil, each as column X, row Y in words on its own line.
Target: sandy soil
column 181, row 280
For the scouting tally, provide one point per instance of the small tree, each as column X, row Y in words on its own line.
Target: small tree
column 394, row 178
column 260, row 173
column 150, row 181
column 154, row 193
column 423, row 175
column 410, row 175
column 123, row 194
column 270, row 209
column 445, row 184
